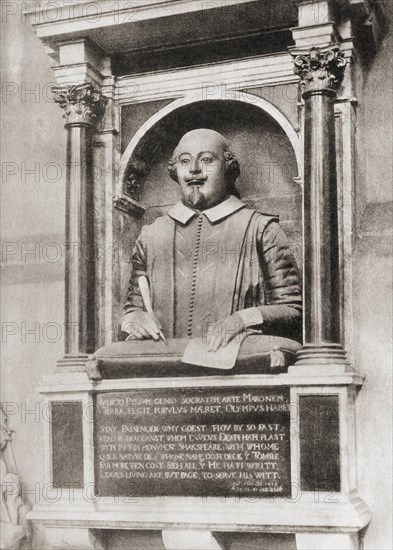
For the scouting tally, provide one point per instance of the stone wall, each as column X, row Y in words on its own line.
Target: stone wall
column 32, row 217
column 373, row 290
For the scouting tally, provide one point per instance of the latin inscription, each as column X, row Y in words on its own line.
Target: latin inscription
column 197, row 442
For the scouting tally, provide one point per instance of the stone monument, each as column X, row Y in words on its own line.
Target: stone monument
column 142, row 434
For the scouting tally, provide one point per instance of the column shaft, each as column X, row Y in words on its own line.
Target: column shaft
column 80, row 256
column 82, row 106
column 322, row 321
column 320, row 72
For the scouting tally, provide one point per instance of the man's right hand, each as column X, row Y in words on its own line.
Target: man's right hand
column 140, row 325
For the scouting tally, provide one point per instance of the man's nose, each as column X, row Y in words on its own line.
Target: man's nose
column 194, row 166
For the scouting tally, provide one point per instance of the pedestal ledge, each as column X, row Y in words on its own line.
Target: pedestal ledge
column 305, row 513
column 76, row 382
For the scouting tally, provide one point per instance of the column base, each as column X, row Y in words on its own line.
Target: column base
column 190, row 540
column 326, row 541
column 322, row 354
column 73, row 361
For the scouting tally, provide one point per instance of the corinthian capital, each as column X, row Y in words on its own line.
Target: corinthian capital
column 320, row 70
column 81, row 103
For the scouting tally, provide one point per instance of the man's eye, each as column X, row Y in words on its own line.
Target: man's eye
column 185, row 161
column 207, row 159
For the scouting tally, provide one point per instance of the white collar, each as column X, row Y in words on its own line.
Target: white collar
column 183, row 214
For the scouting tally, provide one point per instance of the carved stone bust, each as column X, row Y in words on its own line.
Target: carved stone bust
column 211, row 267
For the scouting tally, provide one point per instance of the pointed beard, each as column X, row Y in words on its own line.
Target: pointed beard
column 196, row 199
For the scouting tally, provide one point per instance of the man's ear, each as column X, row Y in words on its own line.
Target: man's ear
column 232, row 170
column 173, row 175
column 172, row 170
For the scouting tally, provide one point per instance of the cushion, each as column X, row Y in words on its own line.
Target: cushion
column 261, row 354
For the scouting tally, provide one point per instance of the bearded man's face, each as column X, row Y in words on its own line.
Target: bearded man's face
column 200, row 169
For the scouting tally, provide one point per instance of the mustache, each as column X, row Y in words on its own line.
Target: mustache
column 201, row 179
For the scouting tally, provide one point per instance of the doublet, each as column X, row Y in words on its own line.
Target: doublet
column 204, row 266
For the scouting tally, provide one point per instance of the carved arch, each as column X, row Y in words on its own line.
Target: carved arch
column 195, row 97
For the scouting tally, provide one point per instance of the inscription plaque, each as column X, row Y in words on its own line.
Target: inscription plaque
column 193, row 442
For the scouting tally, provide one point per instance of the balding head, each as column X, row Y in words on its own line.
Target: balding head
column 202, row 138
column 204, row 167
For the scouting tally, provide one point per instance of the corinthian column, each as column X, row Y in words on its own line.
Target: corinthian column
column 82, row 106
column 320, row 71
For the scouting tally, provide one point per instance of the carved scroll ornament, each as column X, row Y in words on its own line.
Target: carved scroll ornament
column 320, row 71
column 82, row 103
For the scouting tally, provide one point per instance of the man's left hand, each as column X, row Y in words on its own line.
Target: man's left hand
column 219, row 334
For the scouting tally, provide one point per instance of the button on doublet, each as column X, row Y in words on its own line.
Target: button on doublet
column 194, row 274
